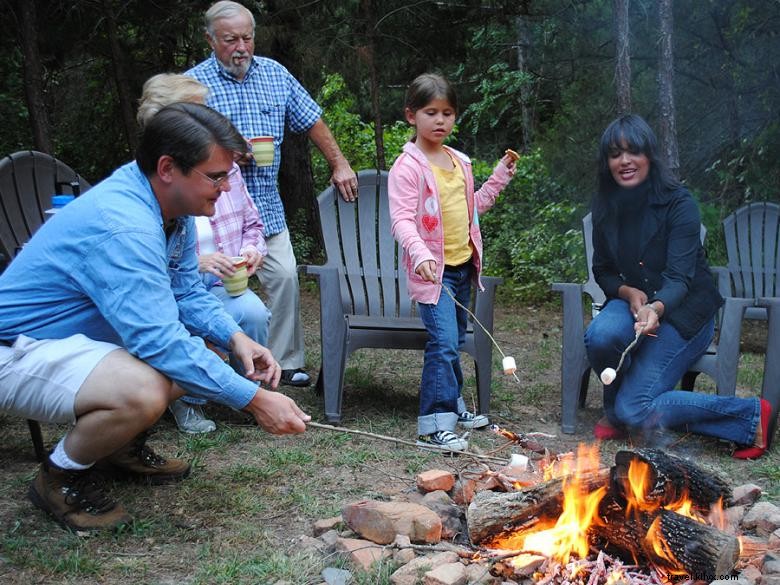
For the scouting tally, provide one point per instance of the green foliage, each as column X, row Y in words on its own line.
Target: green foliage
column 747, row 171
column 531, row 242
column 499, row 89
column 354, row 136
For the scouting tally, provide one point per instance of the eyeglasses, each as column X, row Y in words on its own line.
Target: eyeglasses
column 220, row 181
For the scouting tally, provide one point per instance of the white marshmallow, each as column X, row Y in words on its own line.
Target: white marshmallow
column 509, row 365
column 518, row 461
column 608, row 376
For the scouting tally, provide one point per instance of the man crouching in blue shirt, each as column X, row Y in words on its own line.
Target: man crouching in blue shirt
column 104, row 318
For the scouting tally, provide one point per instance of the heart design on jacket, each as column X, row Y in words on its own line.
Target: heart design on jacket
column 430, row 222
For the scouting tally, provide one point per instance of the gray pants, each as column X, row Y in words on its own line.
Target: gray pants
column 279, row 279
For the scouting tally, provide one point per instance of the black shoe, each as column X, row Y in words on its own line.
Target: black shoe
column 296, row 377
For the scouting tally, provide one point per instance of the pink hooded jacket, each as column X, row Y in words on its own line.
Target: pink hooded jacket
column 415, row 214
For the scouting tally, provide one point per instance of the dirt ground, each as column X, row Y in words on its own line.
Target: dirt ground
column 236, row 519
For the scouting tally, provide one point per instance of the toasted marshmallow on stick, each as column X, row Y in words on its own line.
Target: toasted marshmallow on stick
column 608, row 376
column 509, row 365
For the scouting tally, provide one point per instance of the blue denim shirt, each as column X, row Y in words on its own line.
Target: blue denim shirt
column 263, row 103
column 103, row 267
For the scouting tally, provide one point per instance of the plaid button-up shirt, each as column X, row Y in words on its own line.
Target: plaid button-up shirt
column 261, row 104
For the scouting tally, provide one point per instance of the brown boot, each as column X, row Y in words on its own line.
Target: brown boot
column 136, row 461
column 76, row 499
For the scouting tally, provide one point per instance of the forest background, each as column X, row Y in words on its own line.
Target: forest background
column 538, row 76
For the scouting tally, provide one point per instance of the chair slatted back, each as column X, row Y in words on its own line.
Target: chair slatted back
column 358, row 242
column 28, row 179
column 752, row 235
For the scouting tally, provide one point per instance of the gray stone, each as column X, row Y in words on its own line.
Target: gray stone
column 771, row 567
column 759, row 512
column 335, row 576
column 447, row 574
column 329, row 539
column 413, row 572
column 750, row 573
column 404, row 555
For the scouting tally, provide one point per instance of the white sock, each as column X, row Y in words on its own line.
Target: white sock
column 60, row 458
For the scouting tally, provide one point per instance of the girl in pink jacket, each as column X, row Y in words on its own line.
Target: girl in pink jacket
column 435, row 217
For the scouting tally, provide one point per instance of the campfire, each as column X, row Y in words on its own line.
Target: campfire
column 651, row 518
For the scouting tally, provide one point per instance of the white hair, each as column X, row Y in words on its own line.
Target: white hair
column 226, row 9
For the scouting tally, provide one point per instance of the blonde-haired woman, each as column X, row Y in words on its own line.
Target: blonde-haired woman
column 235, row 229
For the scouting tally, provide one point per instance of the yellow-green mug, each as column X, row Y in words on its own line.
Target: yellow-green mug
column 263, row 150
column 236, row 285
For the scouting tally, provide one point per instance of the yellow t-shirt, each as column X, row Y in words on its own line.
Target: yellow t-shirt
column 451, row 185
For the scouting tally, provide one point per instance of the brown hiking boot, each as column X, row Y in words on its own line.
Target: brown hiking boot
column 136, row 461
column 75, row 499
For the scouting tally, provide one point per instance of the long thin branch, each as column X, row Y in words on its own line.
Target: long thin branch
column 400, row 441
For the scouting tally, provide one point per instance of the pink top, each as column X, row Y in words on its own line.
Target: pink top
column 415, row 213
column 236, row 223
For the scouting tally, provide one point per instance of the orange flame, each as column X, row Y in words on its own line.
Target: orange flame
column 559, row 539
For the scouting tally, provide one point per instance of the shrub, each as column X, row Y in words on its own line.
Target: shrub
column 532, row 235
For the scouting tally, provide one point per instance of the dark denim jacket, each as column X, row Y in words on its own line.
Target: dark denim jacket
column 672, row 269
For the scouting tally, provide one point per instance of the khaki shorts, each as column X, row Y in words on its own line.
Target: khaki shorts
column 40, row 379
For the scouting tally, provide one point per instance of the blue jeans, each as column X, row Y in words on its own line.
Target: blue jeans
column 643, row 394
column 442, row 377
column 252, row 316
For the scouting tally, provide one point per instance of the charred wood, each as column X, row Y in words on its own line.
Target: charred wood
column 673, row 478
column 669, row 541
column 492, row 515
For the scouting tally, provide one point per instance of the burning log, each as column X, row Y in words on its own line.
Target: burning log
column 671, row 479
column 671, row 542
column 492, row 515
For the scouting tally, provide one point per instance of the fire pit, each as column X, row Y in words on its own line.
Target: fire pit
column 651, row 517
column 652, row 509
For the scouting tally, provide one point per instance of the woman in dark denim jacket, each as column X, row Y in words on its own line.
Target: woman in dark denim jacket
column 649, row 261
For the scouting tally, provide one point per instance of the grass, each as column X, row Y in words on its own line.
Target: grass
column 236, row 519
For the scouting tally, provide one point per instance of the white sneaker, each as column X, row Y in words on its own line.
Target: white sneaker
column 470, row 420
column 190, row 418
column 444, row 440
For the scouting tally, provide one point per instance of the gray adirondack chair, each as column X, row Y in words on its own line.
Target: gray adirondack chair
column 752, row 234
column 720, row 362
column 28, row 179
column 363, row 297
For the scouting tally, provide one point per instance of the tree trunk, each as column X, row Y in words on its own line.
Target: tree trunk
column 523, row 41
column 668, row 124
column 296, row 181
column 33, row 77
column 120, row 76
column 369, row 17
column 622, row 57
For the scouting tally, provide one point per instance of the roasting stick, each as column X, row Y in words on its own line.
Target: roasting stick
column 399, row 441
column 608, row 375
column 510, row 368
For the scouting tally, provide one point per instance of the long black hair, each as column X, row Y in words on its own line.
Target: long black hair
column 632, row 133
